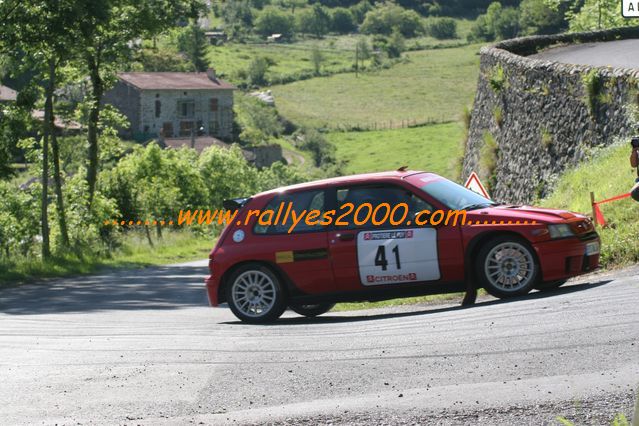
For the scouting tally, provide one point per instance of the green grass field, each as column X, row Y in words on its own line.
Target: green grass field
column 433, row 148
column 434, row 85
column 607, row 174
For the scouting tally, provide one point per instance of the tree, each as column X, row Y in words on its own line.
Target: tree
column 105, row 31
column 595, row 15
column 442, row 28
column 342, row 21
column 257, row 71
column 42, row 34
column 315, row 20
column 237, row 17
column 538, row 17
column 317, row 58
column 497, row 23
column 274, row 21
column 384, row 20
column 362, row 52
column 192, row 42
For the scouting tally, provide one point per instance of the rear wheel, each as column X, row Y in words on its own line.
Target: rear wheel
column 255, row 294
column 550, row 285
column 506, row 266
column 312, row 310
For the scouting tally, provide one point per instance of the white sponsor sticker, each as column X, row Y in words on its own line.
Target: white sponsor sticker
column 397, row 256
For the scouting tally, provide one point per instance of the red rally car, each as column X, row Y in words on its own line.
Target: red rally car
column 261, row 269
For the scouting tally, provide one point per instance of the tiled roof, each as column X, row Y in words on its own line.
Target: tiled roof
column 173, row 80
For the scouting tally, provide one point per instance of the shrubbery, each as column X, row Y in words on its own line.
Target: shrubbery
column 387, row 18
column 441, row 28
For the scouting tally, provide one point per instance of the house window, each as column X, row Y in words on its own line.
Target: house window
column 186, row 109
column 213, row 104
column 214, row 127
column 186, row 127
column 158, row 108
column 167, row 129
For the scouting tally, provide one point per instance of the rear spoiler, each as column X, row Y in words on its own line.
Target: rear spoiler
column 235, row 204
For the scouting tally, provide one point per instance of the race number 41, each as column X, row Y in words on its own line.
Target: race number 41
column 630, row 8
column 397, row 256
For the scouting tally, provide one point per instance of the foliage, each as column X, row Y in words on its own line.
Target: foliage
column 497, row 79
column 315, row 20
column 441, row 28
column 593, row 84
column 274, row 21
column 192, row 42
column 387, row 18
column 342, row 21
column 317, row 58
column 160, row 60
column 588, row 15
column 497, row 23
column 538, row 17
column 488, row 157
column 259, row 123
column 14, row 124
column 19, row 220
column 237, row 16
column 257, row 69
column 360, row 10
column 312, row 140
column 572, row 192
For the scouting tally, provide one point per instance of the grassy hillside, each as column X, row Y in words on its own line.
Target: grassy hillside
column 432, row 148
column 607, row 175
column 433, row 85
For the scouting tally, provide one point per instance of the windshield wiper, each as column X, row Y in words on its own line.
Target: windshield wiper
column 477, row 206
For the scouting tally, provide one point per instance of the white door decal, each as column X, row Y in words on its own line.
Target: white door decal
column 398, row 256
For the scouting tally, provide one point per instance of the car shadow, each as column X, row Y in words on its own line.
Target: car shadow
column 331, row 319
column 162, row 287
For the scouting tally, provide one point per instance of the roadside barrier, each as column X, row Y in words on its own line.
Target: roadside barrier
column 596, row 211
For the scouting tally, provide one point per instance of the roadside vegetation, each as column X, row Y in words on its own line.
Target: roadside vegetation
column 619, row 237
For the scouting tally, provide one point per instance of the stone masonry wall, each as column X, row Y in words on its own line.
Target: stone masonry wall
column 532, row 119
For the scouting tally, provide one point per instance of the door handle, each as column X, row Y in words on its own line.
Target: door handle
column 345, row 237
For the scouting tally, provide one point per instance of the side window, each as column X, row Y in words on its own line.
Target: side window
column 387, row 204
column 279, row 222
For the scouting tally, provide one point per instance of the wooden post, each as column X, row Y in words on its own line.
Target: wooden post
column 592, row 204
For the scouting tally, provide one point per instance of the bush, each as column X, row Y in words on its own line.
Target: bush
column 537, row 17
column 496, row 24
column 442, row 28
column 256, row 72
column 315, row 20
column 385, row 19
column 342, row 21
column 360, row 10
column 274, row 21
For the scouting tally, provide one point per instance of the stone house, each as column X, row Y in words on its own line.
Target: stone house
column 7, row 94
column 174, row 104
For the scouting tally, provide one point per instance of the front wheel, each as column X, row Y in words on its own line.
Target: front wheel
column 506, row 267
column 255, row 294
column 312, row 310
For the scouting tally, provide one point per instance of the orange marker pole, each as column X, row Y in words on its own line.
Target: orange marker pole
column 592, row 203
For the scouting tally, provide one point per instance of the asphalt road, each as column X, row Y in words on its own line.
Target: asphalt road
column 142, row 347
column 619, row 54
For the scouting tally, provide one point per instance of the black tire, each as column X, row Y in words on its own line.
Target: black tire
column 513, row 265
column 550, row 285
column 312, row 310
column 255, row 294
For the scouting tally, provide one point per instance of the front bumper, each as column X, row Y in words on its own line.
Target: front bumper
column 565, row 258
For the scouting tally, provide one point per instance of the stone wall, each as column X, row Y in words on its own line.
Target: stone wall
column 532, row 119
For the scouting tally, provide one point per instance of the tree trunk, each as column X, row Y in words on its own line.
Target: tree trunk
column 55, row 150
column 44, row 218
column 94, row 118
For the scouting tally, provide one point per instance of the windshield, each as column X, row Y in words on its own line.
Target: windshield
column 455, row 196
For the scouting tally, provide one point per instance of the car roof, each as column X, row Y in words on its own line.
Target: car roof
column 341, row 180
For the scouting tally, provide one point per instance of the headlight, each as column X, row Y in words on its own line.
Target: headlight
column 560, row 231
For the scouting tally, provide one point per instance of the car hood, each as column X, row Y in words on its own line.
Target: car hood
column 517, row 212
